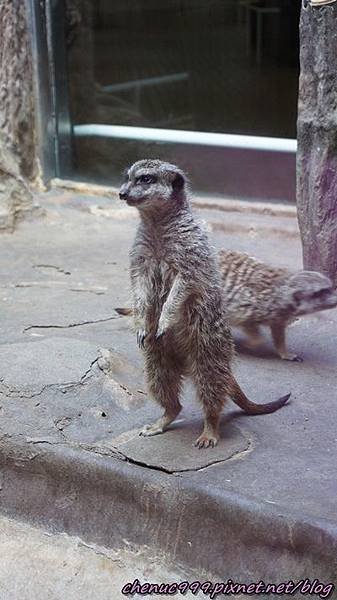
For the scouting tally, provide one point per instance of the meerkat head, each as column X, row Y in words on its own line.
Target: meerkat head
column 310, row 292
column 154, row 185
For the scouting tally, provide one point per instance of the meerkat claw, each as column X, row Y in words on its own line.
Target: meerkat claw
column 297, row 358
column 141, row 335
column 292, row 358
column 205, row 441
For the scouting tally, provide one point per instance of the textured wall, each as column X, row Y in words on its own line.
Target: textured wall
column 17, row 127
column 317, row 139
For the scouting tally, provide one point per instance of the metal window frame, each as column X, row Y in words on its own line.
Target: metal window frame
column 181, row 136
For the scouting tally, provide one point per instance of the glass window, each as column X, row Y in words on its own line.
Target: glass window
column 150, row 70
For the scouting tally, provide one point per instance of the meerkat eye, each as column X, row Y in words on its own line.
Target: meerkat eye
column 146, row 179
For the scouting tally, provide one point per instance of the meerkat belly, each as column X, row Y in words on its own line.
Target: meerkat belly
column 161, row 281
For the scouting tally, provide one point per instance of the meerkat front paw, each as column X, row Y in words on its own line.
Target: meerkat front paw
column 160, row 333
column 162, row 328
column 206, row 441
column 141, row 335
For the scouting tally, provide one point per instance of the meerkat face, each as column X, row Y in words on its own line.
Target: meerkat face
column 153, row 184
column 312, row 292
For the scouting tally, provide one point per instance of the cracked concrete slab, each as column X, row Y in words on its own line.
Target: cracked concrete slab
column 27, row 368
column 31, row 310
column 174, row 452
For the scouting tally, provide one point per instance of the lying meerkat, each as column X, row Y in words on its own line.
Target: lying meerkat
column 178, row 302
column 257, row 294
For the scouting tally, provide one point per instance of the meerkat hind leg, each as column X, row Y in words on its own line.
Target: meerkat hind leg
column 279, row 338
column 211, row 389
column 253, row 333
column 164, row 385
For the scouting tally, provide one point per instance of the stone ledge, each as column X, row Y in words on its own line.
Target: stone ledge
column 107, row 501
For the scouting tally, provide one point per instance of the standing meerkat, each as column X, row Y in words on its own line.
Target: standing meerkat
column 178, row 302
column 257, row 294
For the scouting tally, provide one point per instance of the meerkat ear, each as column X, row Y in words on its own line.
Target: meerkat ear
column 178, row 182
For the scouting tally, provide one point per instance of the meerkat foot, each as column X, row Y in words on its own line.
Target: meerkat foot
column 161, row 424
column 152, row 429
column 206, row 440
column 278, row 334
column 210, row 436
column 291, row 357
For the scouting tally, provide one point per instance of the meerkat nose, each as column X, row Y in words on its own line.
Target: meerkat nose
column 123, row 194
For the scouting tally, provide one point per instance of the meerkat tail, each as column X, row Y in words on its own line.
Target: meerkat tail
column 251, row 408
column 124, row 311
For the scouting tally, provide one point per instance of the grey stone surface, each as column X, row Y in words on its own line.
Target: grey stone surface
column 317, row 148
column 261, row 504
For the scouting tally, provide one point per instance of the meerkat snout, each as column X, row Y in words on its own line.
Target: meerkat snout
column 311, row 292
column 123, row 192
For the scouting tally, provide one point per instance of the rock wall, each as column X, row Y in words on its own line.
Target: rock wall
column 18, row 158
column 317, row 139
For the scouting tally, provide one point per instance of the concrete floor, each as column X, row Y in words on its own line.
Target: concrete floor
column 261, row 504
